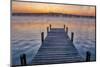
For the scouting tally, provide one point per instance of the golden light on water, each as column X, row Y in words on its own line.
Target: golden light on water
column 38, row 26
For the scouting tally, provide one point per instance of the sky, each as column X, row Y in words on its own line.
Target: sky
column 32, row 7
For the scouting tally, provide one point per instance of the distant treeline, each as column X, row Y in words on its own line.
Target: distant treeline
column 49, row 14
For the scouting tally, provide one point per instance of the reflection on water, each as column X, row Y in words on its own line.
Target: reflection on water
column 25, row 34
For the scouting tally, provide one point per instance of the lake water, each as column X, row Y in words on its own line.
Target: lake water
column 26, row 34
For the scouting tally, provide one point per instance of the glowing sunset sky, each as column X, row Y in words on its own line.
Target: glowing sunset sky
column 31, row 7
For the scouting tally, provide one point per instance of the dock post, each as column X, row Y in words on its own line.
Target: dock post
column 67, row 30
column 23, row 59
column 50, row 26
column 72, row 36
column 64, row 26
column 47, row 29
column 42, row 37
column 88, row 55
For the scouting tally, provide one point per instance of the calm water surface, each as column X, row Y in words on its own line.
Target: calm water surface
column 25, row 34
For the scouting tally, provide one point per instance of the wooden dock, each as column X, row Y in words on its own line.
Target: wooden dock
column 56, row 48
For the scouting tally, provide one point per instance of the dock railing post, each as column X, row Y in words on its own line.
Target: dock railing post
column 88, row 55
column 42, row 37
column 67, row 30
column 23, row 59
column 72, row 36
column 50, row 26
column 47, row 29
column 64, row 26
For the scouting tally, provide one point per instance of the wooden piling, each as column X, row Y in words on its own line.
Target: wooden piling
column 50, row 26
column 67, row 30
column 42, row 37
column 47, row 29
column 23, row 59
column 64, row 26
column 88, row 55
column 72, row 36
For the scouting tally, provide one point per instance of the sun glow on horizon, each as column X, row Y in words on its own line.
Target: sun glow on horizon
column 28, row 7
